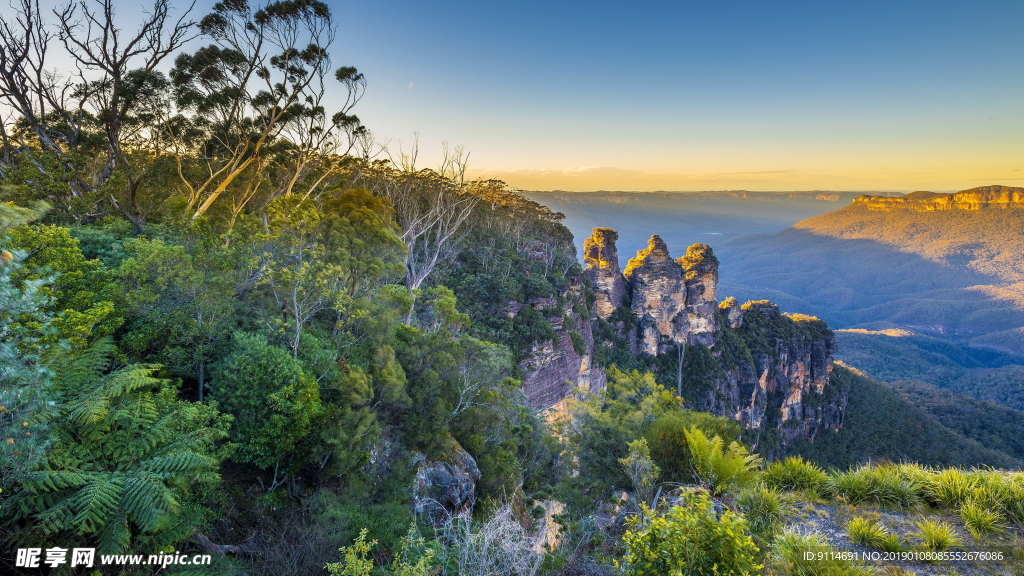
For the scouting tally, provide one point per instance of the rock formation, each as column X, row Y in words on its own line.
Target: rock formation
column 674, row 300
column 701, row 279
column 446, row 488
column 768, row 370
column 601, row 261
column 658, row 297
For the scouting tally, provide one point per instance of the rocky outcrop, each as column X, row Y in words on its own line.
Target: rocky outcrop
column 788, row 391
column 446, row 488
column 658, row 296
column 701, row 280
column 973, row 199
column 601, row 261
column 673, row 300
column 767, row 370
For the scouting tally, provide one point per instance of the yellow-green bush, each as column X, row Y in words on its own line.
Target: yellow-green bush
column 689, row 540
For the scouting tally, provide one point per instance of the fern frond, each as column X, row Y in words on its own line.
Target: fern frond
column 96, row 501
column 114, row 537
column 148, row 501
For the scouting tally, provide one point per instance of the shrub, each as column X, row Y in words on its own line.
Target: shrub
column 641, row 469
column 666, row 436
column 689, row 539
column 936, row 535
column 789, row 558
column 795, row 473
column 357, row 561
column 720, row 468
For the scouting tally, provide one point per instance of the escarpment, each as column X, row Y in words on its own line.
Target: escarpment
column 974, row 199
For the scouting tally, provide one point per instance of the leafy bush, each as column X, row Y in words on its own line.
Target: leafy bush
column 723, row 469
column 273, row 399
column 689, row 539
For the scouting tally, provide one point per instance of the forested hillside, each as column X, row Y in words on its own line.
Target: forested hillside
column 231, row 325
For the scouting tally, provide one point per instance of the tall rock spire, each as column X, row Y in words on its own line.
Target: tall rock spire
column 659, row 295
column 602, row 267
column 701, row 279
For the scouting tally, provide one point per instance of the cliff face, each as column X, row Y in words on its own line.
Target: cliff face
column 973, row 199
column 787, row 389
column 553, row 368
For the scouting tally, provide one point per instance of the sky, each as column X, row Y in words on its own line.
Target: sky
column 715, row 95
column 761, row 95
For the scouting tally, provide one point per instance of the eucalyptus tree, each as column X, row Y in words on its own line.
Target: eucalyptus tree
column 257, row 95
column 97, row 119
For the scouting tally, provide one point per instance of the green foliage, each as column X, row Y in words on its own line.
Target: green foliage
column 605, row 423
column 865, row 531
column 641, row 469
column 516, row 253
column 180, row 304
column 764, row 508
column 357, row 561
column 721, row 468
column 666, row 436
column 951, row 487
column 274, row 401
column 887, row 485
column 795, row 473
column 689, row 539
column 979, row 520
column 936, row 535
column 25, row 381
column 125, row 452
column 82, row 294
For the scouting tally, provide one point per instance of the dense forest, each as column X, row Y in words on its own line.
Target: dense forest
column 231, row 324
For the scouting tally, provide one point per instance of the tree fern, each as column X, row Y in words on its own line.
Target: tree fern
column 124, row 450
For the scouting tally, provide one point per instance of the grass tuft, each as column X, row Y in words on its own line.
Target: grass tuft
column 936, row 535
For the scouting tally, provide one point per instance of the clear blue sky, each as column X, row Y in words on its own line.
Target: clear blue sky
column 765, row 95
column 758, row 95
